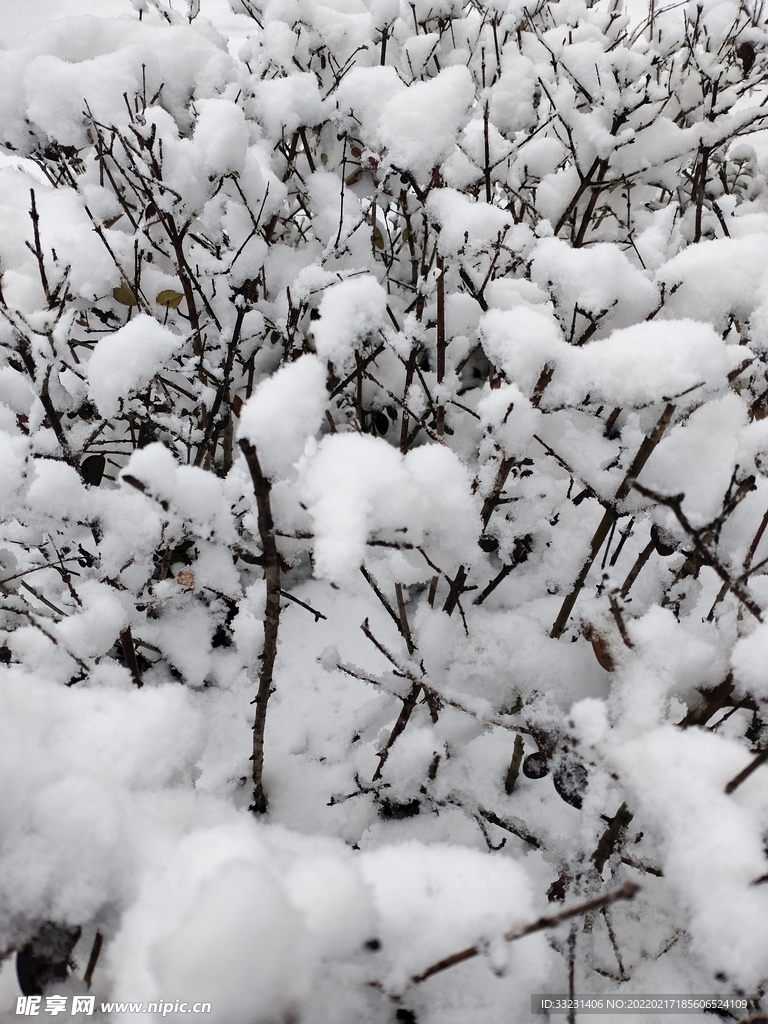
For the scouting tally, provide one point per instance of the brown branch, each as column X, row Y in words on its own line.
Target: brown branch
column 289, row 597
column 38, row 251
column 213, row 426
column 674, row 503
column 616, row 826
column 610, row 515
column 364, row 363
column 598, row 539
column 25, row 353
column 457, row 589
column 625, row 892
column 436, row 695
column 406, row 629
column 513, row 825
column 262, row 487
column 744, row 774
column 440, row 341
column 494, row 497
column 755, row 541
column 519, row 555
column 129, row 653
column 714, row 700
column 398, row 728
column 93, row 959
column 371, row 581
column 644, row 451
column 514, row 766
column 634, row 572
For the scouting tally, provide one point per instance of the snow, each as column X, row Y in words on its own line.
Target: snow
column 748, row 662
column 699, row 457
column 217, row 886
column 99, row 769
column 418, row 127
column 466, row 225
column 522, row 341
column 600, row 279
column 221, row 133
column 294, row 397
column 349, row 311
column 126, row 360
column 358, row 487
column 647, row 362
column 443, row 889
column 365, row 92
column 712, row 852
column 195, row 495
column 20, row 20
column 289, row 103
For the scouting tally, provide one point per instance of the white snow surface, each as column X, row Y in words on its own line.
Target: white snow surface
column 128, row 359
column 286, row 410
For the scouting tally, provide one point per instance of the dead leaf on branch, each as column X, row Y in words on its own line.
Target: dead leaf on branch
column 170, row 298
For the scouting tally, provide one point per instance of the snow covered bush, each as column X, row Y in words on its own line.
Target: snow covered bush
column 385, row 471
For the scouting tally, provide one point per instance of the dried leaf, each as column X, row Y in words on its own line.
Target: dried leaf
column 186, row 578
column 169, row 297
column 570, row 779
column 600, row 647
column 124, row 295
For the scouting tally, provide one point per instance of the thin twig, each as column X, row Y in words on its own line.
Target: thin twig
column 744, row 774
column 674, row 502
column 625, row 892
column 610, row 515
column 93, row 959
column 289, row 597
column 38, row 251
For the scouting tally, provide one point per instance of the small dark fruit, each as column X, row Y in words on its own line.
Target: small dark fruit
column 380, row 422
column 92, row 469
column 535, row 766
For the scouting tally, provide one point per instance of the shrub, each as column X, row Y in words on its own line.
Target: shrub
column 382, row 427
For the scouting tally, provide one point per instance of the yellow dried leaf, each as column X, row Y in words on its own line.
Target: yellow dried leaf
column 169, row 297
column 124, row 295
